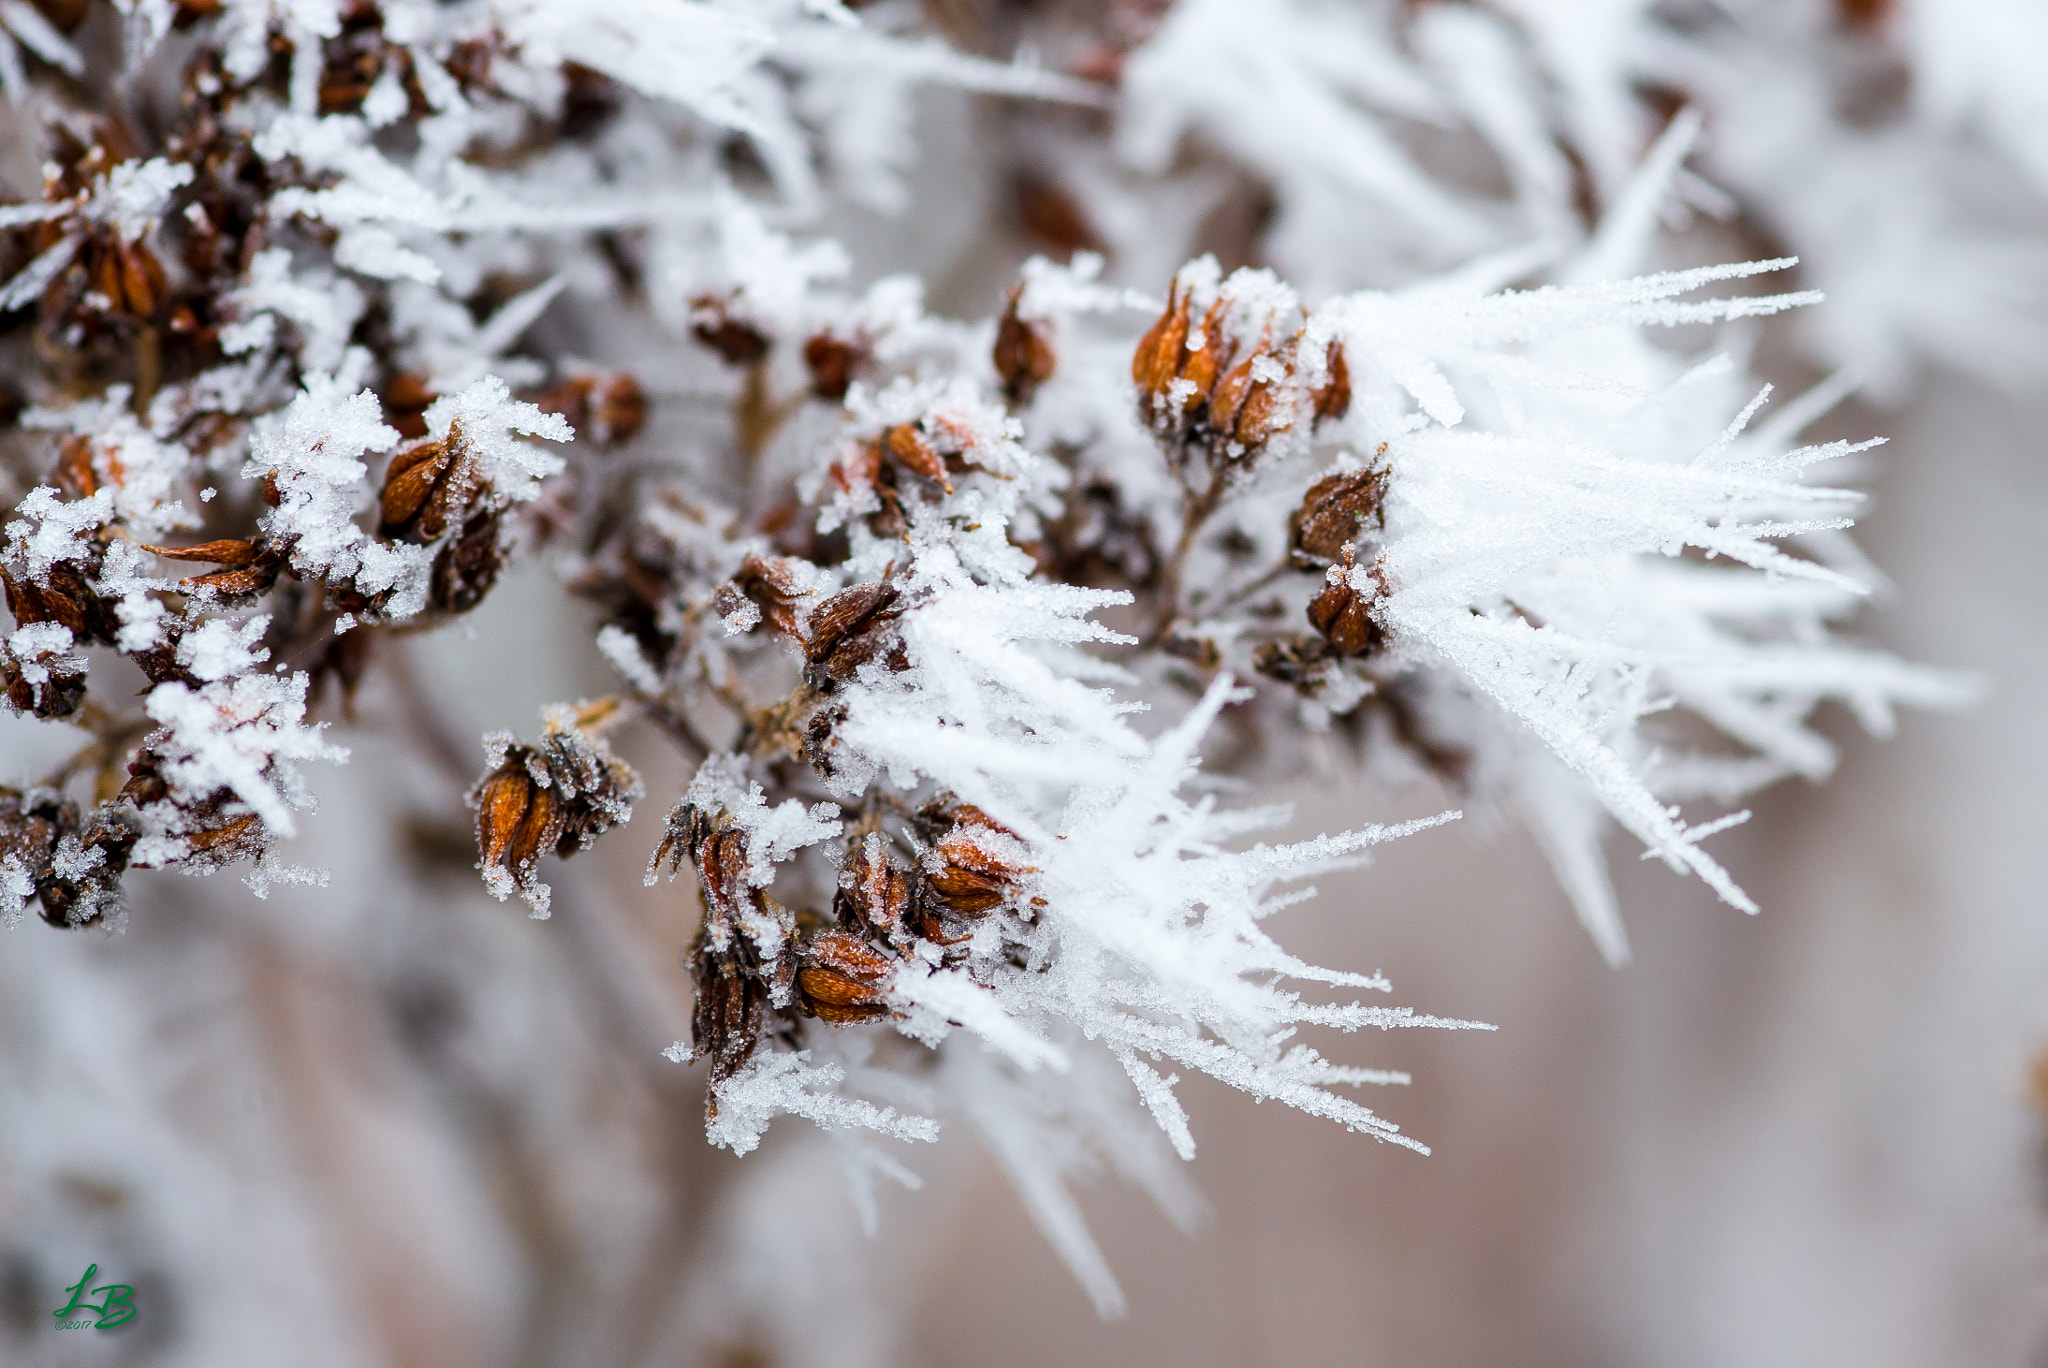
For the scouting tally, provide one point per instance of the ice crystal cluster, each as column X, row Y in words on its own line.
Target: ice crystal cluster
column 1341, row 415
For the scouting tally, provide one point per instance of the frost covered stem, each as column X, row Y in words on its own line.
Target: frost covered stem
column 1199, row 507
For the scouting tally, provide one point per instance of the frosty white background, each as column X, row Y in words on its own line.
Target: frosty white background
column 1000, row 580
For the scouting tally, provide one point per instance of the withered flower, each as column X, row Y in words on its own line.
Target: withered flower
column 559, row 796
column 1342, row 614
column 852, row 628
column 1332, row 513
column 843, row 979
column 1023, row 352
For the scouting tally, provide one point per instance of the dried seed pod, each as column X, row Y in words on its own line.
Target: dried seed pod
column 467, row 567
column 1176, row 365
column 1023, row 352
column 62, row 595
column 426, row 488
column 850, row 629
column 1332, row 512
column 605, row 410
column 38, row 673
column 843, row 979
column 83, row 881
column 910, row 448
column 253, row 567
column 832, row 361
column 559, row 796
column 717, row 325
column 772, row 584
column 976, row 866
column 31, row 825
column 874, row 894
column 1250, row 403
column 731, row 1004
column 1332, row 398
column 1342, row 614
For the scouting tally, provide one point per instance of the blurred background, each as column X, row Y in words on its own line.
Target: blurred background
column 390, row 1121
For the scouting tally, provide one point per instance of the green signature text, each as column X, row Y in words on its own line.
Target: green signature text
column 112, row 1309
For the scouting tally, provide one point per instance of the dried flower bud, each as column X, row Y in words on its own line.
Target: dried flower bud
column 558, row 796
column 1023, row 353
column 717, row 326
column 1342, row 614
column 1332, row 512
column 843, row 979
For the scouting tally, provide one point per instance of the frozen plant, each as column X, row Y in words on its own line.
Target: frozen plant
column 971, row 631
